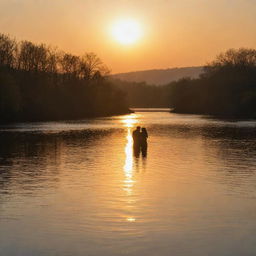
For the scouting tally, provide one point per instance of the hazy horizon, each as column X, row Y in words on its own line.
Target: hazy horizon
column 173, row 33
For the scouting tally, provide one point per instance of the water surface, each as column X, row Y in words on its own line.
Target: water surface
column 75, row 188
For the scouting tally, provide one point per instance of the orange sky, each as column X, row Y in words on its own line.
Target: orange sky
column 175, row 32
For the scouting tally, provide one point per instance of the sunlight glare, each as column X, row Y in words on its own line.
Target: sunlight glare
column 126, row 31
column 131, row 219
column 128, row 153
column 129, row 121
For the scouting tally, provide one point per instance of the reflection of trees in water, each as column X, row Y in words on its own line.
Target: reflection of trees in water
column 230, row 151
column 205, row 131
column 235, row 149
column 236, row 145
column 31, row 159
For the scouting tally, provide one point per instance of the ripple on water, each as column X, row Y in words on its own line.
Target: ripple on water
column 75, row 187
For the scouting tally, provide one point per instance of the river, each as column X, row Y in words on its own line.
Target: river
column 76, row 189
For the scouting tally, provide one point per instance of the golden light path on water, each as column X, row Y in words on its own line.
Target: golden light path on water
column 79, row 189
column 129, row 182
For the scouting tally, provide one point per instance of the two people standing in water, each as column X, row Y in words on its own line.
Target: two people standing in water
column 140, row 144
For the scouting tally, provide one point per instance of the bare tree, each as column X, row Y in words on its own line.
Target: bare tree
column 242, row 57
column 8, row 47
column 69, row 64
column 91, row 64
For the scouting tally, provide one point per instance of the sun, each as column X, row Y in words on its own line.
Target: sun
column 126, row 31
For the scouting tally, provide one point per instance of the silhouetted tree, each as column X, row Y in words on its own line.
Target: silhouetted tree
column 227, row 87
column 38, row 82
column 8, row 48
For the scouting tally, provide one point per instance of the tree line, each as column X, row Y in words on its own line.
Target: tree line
column 39, row 82
column 143, row 95
column 227, row 87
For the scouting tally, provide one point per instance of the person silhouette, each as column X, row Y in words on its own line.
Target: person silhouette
column 143, row 141
column 136, row 141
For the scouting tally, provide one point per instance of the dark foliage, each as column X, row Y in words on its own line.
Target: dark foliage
column 226, row 88
column 142, row 95
column 40, row 83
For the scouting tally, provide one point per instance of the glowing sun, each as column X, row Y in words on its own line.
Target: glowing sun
column 126, row 31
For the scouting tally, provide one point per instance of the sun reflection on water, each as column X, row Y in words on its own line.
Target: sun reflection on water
column 130, row 219
column 128, row 153
column 130, row 120
column 129, row 182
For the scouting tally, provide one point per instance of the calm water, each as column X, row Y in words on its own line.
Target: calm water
column 74, row 188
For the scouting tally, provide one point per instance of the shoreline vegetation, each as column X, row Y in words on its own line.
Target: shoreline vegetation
column 226, row 88
column 42, row 83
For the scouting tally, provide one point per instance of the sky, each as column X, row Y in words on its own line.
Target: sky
column 175, row 33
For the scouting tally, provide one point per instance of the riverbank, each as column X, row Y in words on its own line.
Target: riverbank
column 221, row 116
column 20, row 120
column 47, row 84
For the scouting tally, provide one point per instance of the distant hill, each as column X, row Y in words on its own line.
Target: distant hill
column 159, row 76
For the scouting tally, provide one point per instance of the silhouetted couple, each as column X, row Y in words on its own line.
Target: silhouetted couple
column 140, row 143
